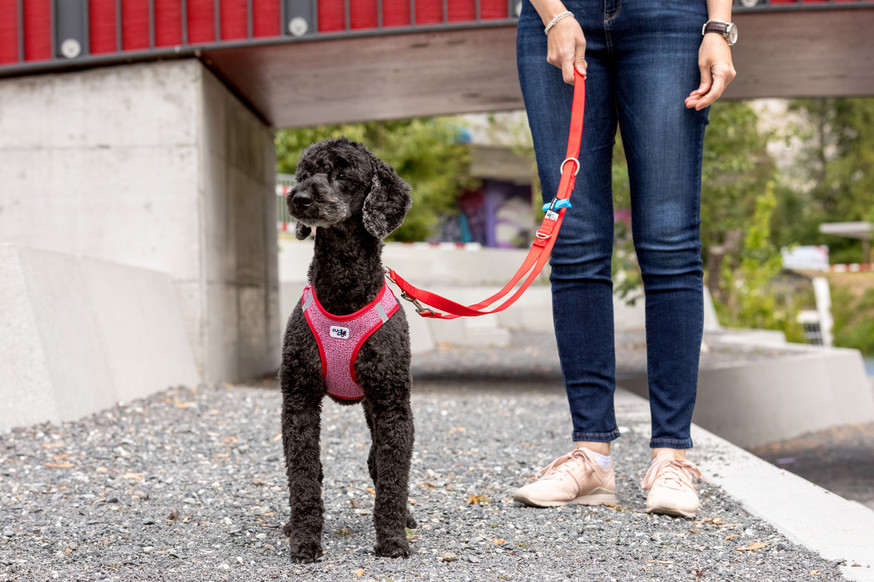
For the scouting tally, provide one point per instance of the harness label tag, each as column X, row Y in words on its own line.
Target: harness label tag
column 339, row 332
column 551, row 215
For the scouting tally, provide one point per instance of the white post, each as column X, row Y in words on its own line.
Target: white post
column 823, row 308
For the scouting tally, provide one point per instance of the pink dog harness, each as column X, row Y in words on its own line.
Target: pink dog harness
column 341, row 336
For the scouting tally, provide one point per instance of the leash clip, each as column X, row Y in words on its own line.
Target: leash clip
column 420, row 309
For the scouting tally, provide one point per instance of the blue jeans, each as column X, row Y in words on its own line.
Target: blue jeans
column 642, row 60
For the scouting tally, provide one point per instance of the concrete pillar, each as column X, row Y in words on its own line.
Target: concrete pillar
column 155, row 165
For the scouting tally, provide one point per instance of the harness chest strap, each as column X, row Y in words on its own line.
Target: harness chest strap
column 340, row 338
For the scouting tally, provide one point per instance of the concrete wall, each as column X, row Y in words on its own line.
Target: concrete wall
column 159, row 166
column 78, row 335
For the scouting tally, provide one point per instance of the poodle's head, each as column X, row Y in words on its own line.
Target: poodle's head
column 340, row 181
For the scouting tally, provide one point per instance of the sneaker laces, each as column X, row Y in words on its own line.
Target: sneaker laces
column 675, row 473
column 563, row 465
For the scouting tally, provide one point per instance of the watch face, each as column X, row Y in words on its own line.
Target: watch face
column 732, row 33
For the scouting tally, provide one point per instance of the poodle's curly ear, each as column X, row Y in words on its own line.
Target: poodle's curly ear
column 301, row 231
column 387, row 203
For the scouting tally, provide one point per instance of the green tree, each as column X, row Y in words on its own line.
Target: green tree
column 735, row 168
column 854, row 318
column 425, row 152
column 751, row 298
column 837, row 162
column 736, row 165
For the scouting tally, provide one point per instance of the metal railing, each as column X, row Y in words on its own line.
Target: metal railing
column 284, row 184
column 71, row 33
column 774, row 5
column 59, row 34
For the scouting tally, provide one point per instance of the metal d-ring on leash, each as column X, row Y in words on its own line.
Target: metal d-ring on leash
column 544, row 238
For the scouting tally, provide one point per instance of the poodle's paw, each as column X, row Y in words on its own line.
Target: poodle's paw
column 305, row 551
column 286, row 529
column 393, row 548
column 411, row 521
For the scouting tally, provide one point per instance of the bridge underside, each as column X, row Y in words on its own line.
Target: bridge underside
column 780, row 54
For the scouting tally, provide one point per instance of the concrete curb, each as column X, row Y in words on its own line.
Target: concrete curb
column 805, row 513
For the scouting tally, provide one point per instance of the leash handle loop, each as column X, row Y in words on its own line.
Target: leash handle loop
column 544, row 238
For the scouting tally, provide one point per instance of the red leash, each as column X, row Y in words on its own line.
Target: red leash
column 543, row 242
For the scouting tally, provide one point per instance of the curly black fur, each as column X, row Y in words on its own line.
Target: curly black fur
column 353, row 200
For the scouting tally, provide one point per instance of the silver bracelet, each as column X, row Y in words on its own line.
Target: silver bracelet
column 559, row 16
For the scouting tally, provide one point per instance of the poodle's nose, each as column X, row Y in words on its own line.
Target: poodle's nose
column 302, row 198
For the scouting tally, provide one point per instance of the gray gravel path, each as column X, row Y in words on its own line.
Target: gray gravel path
column 189, row 485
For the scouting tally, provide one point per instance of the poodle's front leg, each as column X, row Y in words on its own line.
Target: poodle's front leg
column 371, row 460
column 392, row 433
column 301, row 422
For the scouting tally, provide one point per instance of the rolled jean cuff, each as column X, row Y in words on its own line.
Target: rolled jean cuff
column 670, row 444
column 595, row 437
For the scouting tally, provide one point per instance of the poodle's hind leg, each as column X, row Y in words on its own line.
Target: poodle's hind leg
column 301, row 424
column 371, row 465
column 391, row 427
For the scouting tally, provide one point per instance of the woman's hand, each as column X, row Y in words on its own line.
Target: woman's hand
column 717, row 71
column 567, row 48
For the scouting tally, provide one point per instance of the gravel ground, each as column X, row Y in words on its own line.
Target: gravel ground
column 189, row 485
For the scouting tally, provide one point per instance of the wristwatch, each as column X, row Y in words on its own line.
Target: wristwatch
column 727, row 29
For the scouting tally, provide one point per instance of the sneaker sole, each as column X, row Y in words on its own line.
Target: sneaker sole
column 597, row 497
column 672, row 511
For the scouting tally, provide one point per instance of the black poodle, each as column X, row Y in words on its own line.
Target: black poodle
column 347, row 338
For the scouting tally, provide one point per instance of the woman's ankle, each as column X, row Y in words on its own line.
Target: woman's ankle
column 678, row 453
column 600, row 448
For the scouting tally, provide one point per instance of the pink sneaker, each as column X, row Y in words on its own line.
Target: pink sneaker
column 574, row 478
column 670, row 482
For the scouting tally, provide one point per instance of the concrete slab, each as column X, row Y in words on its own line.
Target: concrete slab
column 78, row 335
column 763, row 400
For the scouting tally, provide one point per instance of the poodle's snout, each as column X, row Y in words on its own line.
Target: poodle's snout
column 302, row 198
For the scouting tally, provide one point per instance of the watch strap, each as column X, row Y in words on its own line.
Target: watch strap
column 721, row 27
column 715, row 26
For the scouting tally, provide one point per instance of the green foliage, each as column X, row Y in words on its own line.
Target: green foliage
column 836, row 166
column 627, row 279
column 853, row 319
column 424, row 152
column 736, row 165
column 621, row 184
column 752, row 299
